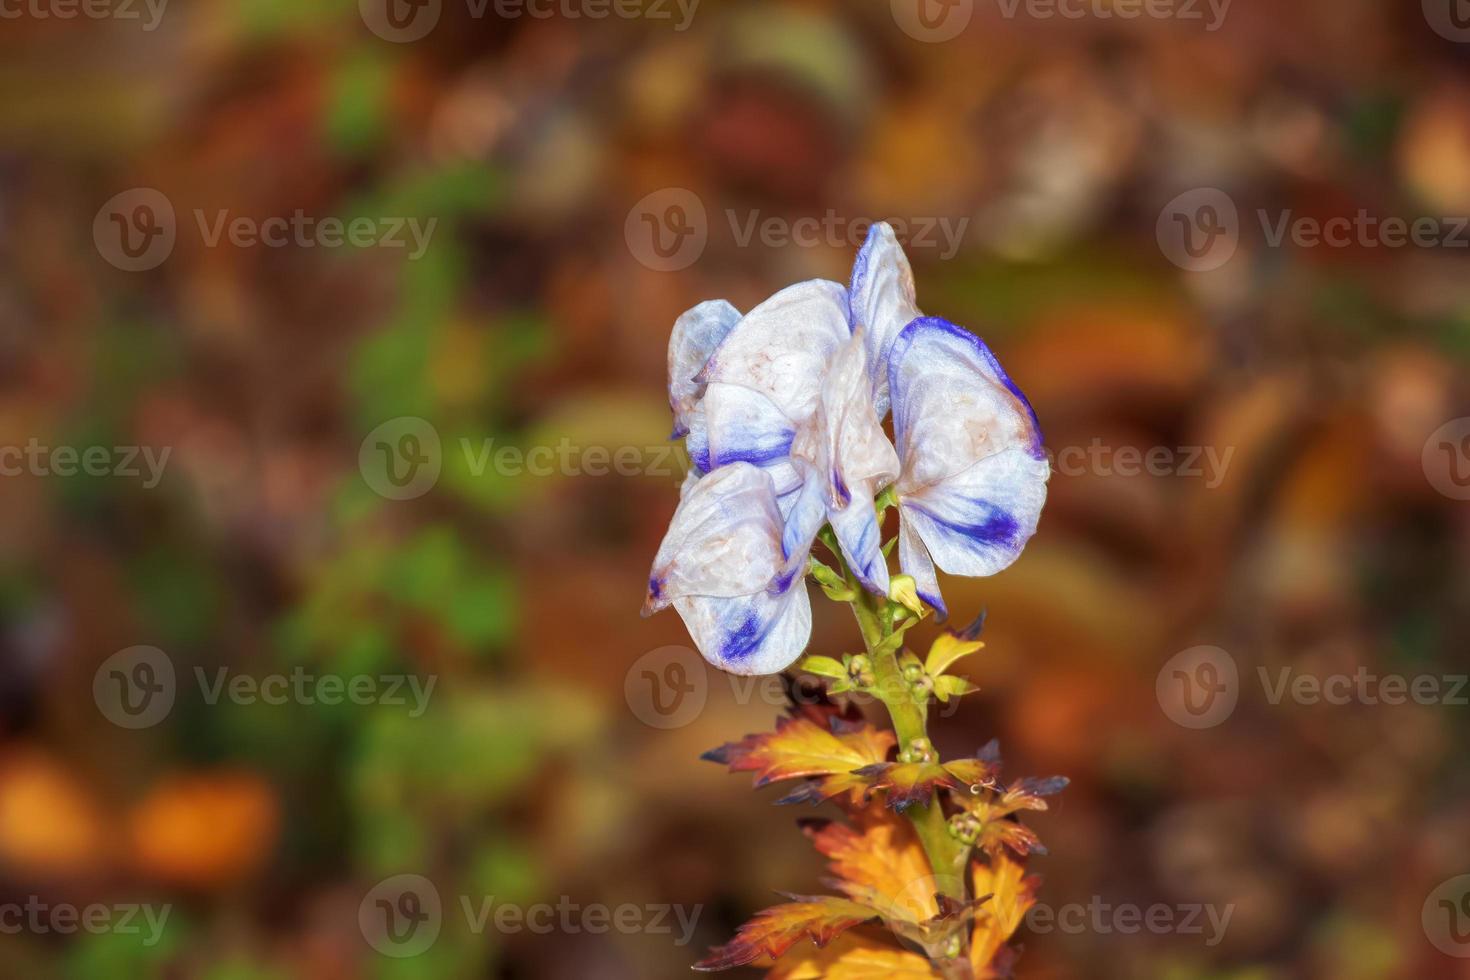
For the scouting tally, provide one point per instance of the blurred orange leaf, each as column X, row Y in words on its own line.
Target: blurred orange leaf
column 880, row 863
column 1012, row 894
column 852, row 957
column 775, row 930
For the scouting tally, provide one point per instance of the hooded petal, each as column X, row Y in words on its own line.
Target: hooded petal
column 782, row 347
column 974, row 472
column 735, row 424
column 845, row 448
column 882, row 301
column 696, row 335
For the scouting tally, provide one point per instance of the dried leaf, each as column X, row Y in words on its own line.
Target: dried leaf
column 801, row 748
column 907, row 783
column 775, row 930
column 1012, row 894
column 880, row 863
column 852, row 957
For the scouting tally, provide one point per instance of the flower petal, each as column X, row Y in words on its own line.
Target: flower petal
column 857, row 530
column 696, row 335
column 914, row 559
column 724, row 539
column 735, row 424
column 974, row 472
column 844, row 445
column 782, row 347
column 882, row 299
column 762, row 633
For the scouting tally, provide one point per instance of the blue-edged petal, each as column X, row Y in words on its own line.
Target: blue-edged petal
column 721, row 567
column 696, row 334
column 974, row 471
column 757, row 634
column 914, row 559
column 882, row 303
column 736, row 424
column 724, row 539
column 844, row 447
column 781, row 348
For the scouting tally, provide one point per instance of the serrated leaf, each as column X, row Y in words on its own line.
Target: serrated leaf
column 907, row 783
column 800, row 748
column 1012, row 894
column 880, row 863
column 775, row 930
column 852, row 957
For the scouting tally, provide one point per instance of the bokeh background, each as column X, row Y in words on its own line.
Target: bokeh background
column 549, row 765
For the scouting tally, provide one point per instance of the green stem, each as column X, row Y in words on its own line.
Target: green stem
column 909, row 714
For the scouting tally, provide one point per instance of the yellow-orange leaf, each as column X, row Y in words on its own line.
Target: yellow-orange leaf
column 801, row 748
column 907, row 783
column 880, row 863
column 1012, row 894
column 775, row 930
column 852, row 957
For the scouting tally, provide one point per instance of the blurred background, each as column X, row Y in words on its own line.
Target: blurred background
column 334, row 453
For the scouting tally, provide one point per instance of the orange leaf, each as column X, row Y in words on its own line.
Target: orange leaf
column 908, row 783
column 802, row 748
column 775, row 930
column 852, row 957
column 880, row 863
column 1012, row 894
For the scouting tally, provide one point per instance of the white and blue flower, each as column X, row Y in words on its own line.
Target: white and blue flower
column 783, row 410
